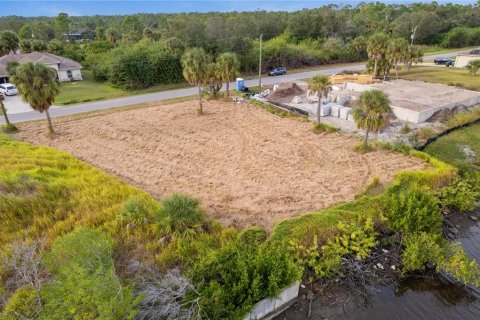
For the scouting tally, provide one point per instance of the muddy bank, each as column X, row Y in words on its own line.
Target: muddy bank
column 428, row 297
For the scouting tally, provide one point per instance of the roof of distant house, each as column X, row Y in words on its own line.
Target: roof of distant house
column 38, row 57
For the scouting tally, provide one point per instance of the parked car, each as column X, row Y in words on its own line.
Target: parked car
column 277, row 71
column 443, row 61
column 475, row 51
column 8, row 89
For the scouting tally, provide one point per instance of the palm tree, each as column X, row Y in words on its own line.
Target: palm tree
column 36, row 83
column 397, row 52
column 415, row 55
column 111, row 35
column 376, row 48
column 372, row 112
column 473, row 67
column 10, row 126
column 322, row 85
column 196, row 64
column 228, row 68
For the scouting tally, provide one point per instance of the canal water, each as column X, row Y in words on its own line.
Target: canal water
column 427, row 297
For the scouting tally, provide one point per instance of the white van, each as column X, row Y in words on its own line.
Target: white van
column 8, row 89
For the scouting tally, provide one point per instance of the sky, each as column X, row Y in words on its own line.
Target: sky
column 122, row 7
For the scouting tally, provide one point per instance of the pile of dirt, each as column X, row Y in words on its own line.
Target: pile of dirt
column 286, row 90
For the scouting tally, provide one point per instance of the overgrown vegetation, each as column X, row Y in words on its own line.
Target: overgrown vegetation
column 89, row 218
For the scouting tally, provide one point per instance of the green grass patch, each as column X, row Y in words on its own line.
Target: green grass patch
column 451, row 148
column 89, row 90
column 323, row 127
column 463, row 117
column 443, row 75
column 436, row 50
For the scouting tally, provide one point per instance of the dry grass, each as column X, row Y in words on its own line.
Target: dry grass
column 248, row 167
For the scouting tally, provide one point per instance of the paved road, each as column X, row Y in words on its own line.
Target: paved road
column 165, row 95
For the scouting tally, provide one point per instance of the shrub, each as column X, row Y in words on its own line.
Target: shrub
column 463, row 193
column 412, row 209
column 181, row 212
column 137, row 211
column 355, row 238
column 21, row 305
column 405, row 129
column 238, row 275
column 419, row 249
column 85, row 285
column 425, row 133
column 448, row 257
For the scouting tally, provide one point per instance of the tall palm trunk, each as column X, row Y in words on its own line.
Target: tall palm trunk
column 50, row 127
column 396, row 69
column 200, row 109
column 5, row 114
column 319, row 107
column 365, row 140
column 375, row 68
column 228, row 88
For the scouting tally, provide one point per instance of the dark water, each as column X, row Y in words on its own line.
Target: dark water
column 413, row 298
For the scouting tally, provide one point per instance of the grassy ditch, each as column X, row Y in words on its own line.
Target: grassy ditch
column 460, row 148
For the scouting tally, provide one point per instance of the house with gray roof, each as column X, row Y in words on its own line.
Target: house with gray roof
column 65, row 69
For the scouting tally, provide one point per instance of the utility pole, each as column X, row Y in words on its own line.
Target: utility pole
column 413, row 34
column 260, row 63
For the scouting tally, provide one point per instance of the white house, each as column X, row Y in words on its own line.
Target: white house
column 65, row 69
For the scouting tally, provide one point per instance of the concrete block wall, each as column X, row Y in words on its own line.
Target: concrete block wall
column 268, row 308
column 345, row 112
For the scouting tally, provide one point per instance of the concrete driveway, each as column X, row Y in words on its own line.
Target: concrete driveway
column 14, row 105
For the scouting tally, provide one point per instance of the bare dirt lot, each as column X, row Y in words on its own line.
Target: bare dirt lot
column 247, row 166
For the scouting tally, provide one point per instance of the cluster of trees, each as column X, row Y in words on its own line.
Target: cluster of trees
column 385, row 53
column 332, row 33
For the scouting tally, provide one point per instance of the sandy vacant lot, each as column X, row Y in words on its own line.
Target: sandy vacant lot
column 247, row 166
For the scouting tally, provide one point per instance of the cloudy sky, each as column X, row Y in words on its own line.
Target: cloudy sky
column 108, row 7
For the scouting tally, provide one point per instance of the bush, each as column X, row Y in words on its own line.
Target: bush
column 355, row 239
column 463, row 193
column 425, row 133
column 405, row 129
column 85, row 285
column 181, row 212
column 238, row 275
column 411, row 210
column 419, row 249
column 23, row 304
column 448, row 257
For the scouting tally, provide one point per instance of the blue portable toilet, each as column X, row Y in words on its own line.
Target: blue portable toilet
column 240, row 84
